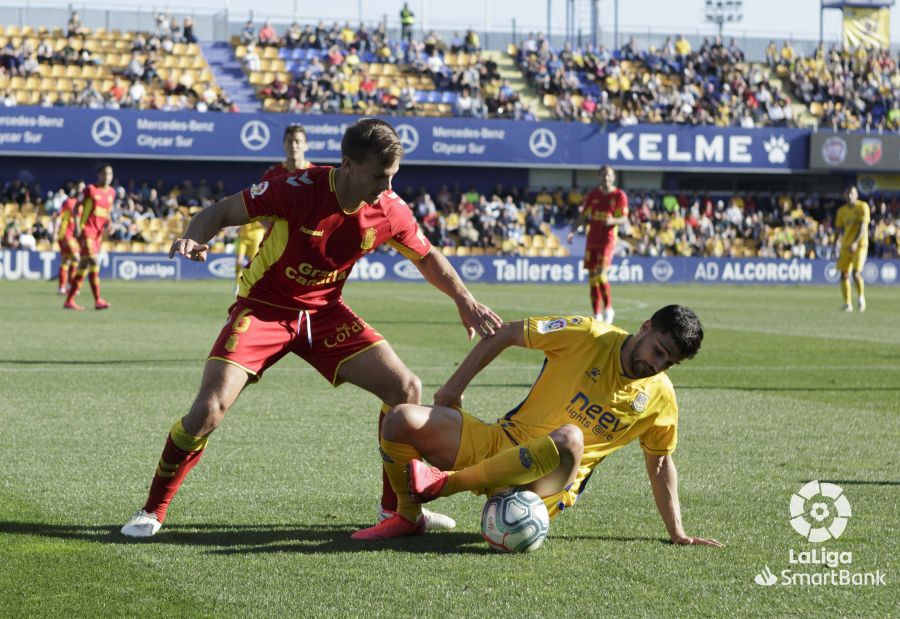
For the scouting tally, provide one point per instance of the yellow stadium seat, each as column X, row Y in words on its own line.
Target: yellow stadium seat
column 448, row 251
column 462, row 251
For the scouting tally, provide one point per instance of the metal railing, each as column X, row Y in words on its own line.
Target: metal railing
column 221, row 25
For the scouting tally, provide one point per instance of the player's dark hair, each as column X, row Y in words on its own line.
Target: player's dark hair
column 101, row 165
column 605, row 167
column 683, row 325
column 292, row 129
column 372, row 137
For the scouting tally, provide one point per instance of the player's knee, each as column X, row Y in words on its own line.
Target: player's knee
column 569, row 441
column 399, row 422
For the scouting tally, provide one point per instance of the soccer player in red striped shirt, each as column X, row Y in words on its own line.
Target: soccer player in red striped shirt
column 604, row 209
column 323, row 221
column 66, row 232
column 96, row 203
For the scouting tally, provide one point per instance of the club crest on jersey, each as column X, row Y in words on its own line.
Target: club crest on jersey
column 368, row 241
column 258, row 189
column 546, row 326
column 639, row 403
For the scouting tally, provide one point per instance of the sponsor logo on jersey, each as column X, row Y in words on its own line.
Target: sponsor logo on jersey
column 311, row 232
column 590, row 416
column 259, row 189
column 368, row 241
column 546, row 326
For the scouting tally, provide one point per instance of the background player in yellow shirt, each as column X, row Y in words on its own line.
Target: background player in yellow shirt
column 600, row 388
column 250, row 236
column 851, row 225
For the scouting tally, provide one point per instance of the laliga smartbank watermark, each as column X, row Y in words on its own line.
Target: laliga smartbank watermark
column 820, row 511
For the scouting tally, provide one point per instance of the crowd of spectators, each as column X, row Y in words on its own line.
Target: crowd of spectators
column 137, row 84
column 849, row 89
column 338, row 73
column 507, row 220
column 670, row 84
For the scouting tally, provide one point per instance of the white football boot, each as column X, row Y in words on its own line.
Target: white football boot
column 862, row 304
column 608, row 315
column 142, row 524
column 433, row 520
column 847, row 307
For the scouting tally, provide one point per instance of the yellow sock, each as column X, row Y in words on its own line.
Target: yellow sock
column 845, row 291
column 511, row 467
column 396, row 457
column 860, row 286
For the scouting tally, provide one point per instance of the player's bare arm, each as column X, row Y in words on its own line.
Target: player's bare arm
column 481, row 355
column 664, row 483
column 206, row 224
column 476, row 317
column 579, row 223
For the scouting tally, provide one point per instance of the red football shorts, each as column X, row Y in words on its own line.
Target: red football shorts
column 597, row 256
column 256, row 336
column 68, row 248
column 89, row 245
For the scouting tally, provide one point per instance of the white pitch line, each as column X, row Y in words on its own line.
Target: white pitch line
column 821, row 336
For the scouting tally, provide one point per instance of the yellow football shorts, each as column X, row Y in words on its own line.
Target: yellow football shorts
column 854, row 261
column 480, row 440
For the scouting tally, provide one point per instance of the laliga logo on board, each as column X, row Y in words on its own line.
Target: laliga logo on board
column 106, row 131
column 888, row 273
column 831, row 273
column 542, row 142
column 870, row 273
column 128, row 269
column 820, row 511
column 255, row 135
column 409, row 137
column 834, row 151
column 662, row 270
column 472, row 269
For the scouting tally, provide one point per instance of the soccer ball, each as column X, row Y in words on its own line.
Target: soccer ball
column 515, row 521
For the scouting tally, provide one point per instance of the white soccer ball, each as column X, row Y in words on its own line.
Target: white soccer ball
column 515, row 521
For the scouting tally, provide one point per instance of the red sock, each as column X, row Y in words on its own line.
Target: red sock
column 595, row 298
column 173, row 467
column 388, row 496
column 606, row 294
column 76, row 285
column 72, row 270
column 94, row 279
column 63, row 275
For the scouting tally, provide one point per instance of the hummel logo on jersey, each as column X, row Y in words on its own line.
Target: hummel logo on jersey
column 311, row 232
column 295, row 181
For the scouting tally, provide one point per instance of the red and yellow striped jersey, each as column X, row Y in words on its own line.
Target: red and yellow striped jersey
column 97, row 203
column 313, row 243
column 67, row 214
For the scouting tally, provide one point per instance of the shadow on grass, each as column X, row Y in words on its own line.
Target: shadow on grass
column 859, row 482
column 258, row 539
column 785, row 388
column 94, row 362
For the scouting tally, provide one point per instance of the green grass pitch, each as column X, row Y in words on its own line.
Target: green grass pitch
column 785, row 390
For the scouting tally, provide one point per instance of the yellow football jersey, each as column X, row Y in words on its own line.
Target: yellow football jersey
column 850, row 217
column 582, row 383
column 253, row 231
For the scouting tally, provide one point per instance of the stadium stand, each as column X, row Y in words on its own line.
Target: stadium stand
column 107, row 69
column 504, row 221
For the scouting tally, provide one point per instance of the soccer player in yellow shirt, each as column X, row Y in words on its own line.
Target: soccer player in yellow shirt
column 600, row 388
column 851, row 225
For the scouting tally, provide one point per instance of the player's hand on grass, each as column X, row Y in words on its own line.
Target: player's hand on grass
column 190, row 249
column 448, row 397
column 478, row 319
column 684, row 540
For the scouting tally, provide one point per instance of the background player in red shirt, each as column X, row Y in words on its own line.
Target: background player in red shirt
column 251, row 235
column 605, row 207
column 323, row 221
column 66, row 231
column 96, row 203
